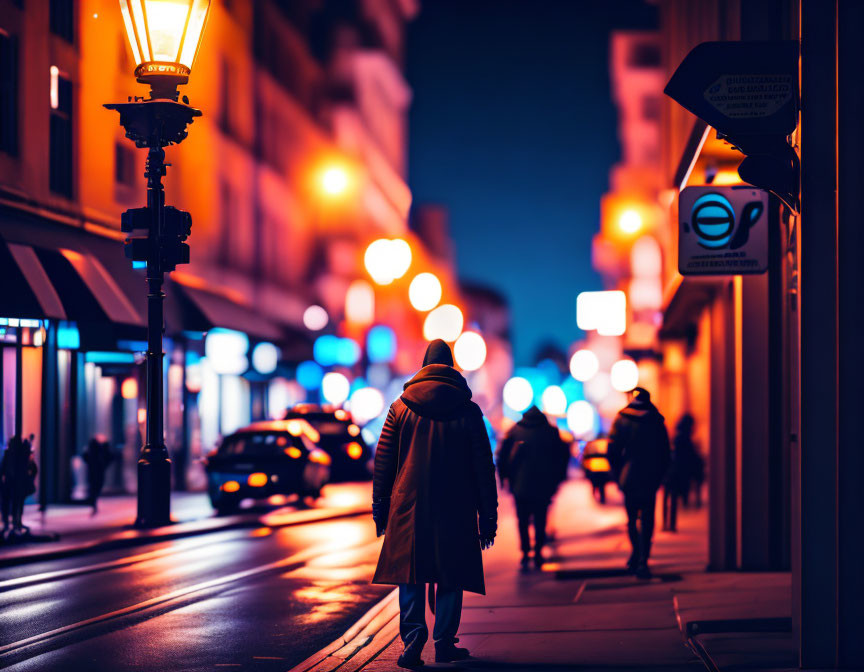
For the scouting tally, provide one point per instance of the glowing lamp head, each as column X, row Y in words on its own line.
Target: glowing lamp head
column 164, row 36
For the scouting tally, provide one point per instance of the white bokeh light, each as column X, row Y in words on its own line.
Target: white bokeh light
column 335, row 388
column 424, row 292
column 583, row 365
column 265, row 357
column 367, row 403
column 624, row 375
column 315, row 318
column 518, row 394
column 445, row 322
column 580, row 418
column 470, row 351
column 554, row 401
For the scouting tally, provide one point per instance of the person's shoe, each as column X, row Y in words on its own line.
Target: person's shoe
column 525, row 563
column 449, row 652
column 538, row 560
column 632, row 563
column 642, row 571
column 410, row 660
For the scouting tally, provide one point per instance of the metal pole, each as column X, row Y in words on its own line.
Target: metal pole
column 154, row 465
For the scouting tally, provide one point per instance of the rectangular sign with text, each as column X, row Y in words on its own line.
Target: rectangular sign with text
column 722, row 231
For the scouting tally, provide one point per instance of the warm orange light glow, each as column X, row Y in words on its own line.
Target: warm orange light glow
column 335, row 180
column 354, row 450
column 596, row 464
column 129, row 389
column 164, row 34
column 353, row 430
column 277, row 500
column 725, row 177
column 262, row 531
column 142, row 415
column 360, row 303
column 341, row 414
column 319, row 457
column 230, row 486
column 630, row 221
column 294, row 452
column 257, row 480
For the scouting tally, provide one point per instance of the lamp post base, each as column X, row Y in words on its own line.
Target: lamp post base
column 154, row 488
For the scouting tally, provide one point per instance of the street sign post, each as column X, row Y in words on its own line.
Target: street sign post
column 722, row 231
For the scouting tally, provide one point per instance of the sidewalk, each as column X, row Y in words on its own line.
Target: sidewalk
column 76, row 531
column 584, row 613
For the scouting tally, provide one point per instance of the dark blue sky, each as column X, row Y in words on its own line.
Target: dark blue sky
column 512, row 129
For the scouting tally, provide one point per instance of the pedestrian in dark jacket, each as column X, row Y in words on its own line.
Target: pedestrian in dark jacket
column 97, row 457
column 18, row 472
column 532, row 459
column 639, row 456
column 434, row 499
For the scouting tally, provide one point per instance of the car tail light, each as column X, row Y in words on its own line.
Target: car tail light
column 293, row 451
column 354, row 450
column 319, row 457
column 257, row 480
column 230, row 486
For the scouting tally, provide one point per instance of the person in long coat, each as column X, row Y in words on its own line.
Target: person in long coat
column 532, row 459
column 435, row 500
column 639, row 456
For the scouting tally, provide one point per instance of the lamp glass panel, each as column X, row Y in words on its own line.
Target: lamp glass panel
column 137, row 8
column 130, row 31
column 197, row 18
column 166, row 20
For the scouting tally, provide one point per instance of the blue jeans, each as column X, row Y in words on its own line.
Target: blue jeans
column 412, row 615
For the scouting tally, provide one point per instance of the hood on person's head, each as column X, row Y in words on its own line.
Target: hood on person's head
column 438, row 352
column 640, row 404
column 533, row 417
column 437, row 391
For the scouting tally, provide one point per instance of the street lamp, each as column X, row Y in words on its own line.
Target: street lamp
column 164, row 36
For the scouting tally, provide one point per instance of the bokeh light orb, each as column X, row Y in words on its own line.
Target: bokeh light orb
column 583, row 365
column 265, row 358
column 470, row 351
column 335, row 388
column 335, row 181
column 580, row 418
column 315, row 318
column 367, row 403
column 624, row 375
column 309, row 375
column 554, row 401
column 598, row 388
column 226, row 350
column 445, row 322
column 387, row 260
column 630, row 221
column 425, row 292
column 518, row 394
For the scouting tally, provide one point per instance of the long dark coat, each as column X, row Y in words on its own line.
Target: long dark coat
column 639, row 448
column 434, row 463
column 533, row 458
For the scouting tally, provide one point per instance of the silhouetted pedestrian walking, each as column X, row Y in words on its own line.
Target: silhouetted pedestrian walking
column 685, row 469
column 532, row 460
column 639, row 456
column 98, row 457
column 434, row 498
column 18, row 472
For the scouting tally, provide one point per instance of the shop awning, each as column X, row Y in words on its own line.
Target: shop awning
column 222, row 311
column 27, row 290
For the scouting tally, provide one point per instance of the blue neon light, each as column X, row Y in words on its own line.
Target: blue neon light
column 110, row 357
column 381, row 344
column 309, row 375
column 67, row 336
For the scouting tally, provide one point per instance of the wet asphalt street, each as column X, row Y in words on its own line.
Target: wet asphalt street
column 251, row 599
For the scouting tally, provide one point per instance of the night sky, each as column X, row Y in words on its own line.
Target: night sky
column 512, row 129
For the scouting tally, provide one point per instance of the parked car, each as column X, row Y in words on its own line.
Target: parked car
column 279, row 457
column 596, row 466
column 340, row 437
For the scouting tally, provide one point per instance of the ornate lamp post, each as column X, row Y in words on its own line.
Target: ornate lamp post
column 164, row 35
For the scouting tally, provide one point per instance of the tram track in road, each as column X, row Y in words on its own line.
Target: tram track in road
column 22, row 649
column 272, row 520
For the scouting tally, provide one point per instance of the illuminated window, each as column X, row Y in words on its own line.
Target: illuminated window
column 60, row 132
column 8, row 94
column 62, row 19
